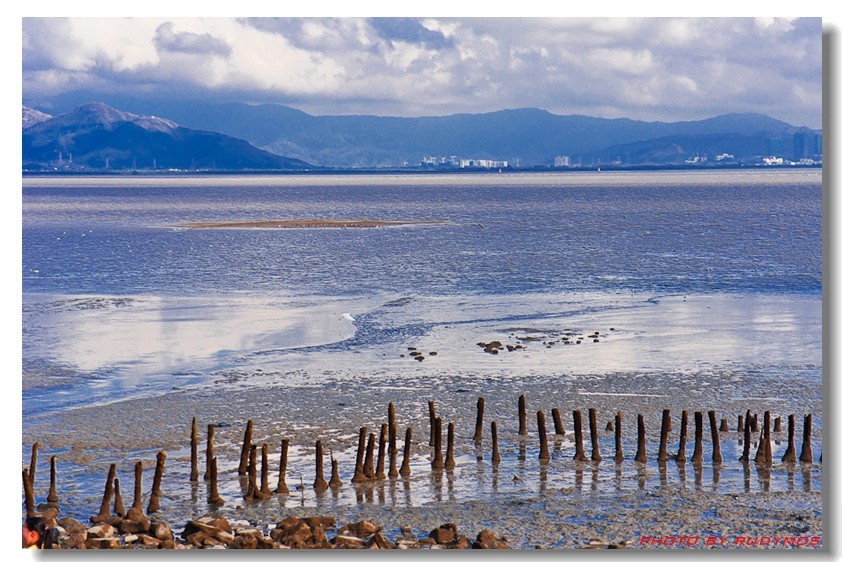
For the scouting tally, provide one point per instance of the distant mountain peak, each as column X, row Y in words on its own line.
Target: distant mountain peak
column 98, row 113
column 33, row 116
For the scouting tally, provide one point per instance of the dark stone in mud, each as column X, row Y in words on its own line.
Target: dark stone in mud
column 487, row 539
column 445, row 534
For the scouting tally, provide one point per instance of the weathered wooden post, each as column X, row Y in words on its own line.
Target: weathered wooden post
column 723, row 426
column 544, row 454
column 33, row 463
column 380, row 472
column 521, row 414
column 495, row 451
column 194, row 452
column 618, row 437
column 368, row 463
column 359, row 470
column 246, row 449
column 577, row 432
column 107, row 496
column 450, row 460
column 393, row 442
column 282, row 472
column 807, row 446
column 28, row 493
column 777, row 428
column 681, row 456
column 405, row 470
column 335, row 482
column 209, row 454
column 432, row 408
column 155, row 497
column 697, row 449
column 716, row 458
column 320, row 484
column 595, row 456
column 438, row 461
column 789, row 455
column 119, row 509
column 265, row 492
column 662, row 446
column 558, row 426
column 251, row 471
column 740, row 423
column 640, row 456
column 213, row 492
column 480, row 413
column 52, row 497
column 138, row 485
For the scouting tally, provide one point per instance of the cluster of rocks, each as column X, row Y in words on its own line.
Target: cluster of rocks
column 418, row 355
column 567, row 337
column 213, row 531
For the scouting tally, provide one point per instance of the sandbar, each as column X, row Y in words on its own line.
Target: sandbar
column 302, row 223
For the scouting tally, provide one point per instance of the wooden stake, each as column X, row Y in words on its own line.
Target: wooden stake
column 155, row 497
column 359, row 470
column 480, row 413
column 209, row 454
column 777, row 424
column 450, row 461
column 393, row 442
column 320, row 484
column 265, row 492
column 544, row 454
column 282, row 472
column 33, row 463
column 251, row 471
column 789, row 455
column 28, row 494
column 368, row 463
column 740, row 423
column 681, row 456
column 807, row 446
column 662, row 446
column 559, row 427
column 697, row 449
column 119, row 509
column 495, row 451
column 107, row 496
column 640, row 456
column 716, row 458
column 595, row 456
column 213, row 495
column 52, row 497
column 194, row 452
column 138, row 485
column 760, row 457
column 618, row 437
column 438, row 461
column 432, row 407
column 577, row 431
column 405, row 469
column 521, row 413
column 335, row 482
column 246, row 449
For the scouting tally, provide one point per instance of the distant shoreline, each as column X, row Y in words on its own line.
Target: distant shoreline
column 300, row 223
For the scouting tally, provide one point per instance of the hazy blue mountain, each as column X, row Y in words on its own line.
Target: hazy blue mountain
column 523, row 137
column 97, row 136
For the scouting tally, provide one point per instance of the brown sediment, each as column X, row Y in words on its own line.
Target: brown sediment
column 716, row 457
column 119, row 509
column 681, row 456
column 52, row 497
column 640, row 456
column 209, row 455
column 282, row 471
column 213, row 492
column 665, row 428
column 618, row 437
column 245, row 451
column 806, row 446
column 544, row 453
column 577, row 432
column 450, row 461
column 521, row 414
column 480, row 412
column 495, row 451
column 699, row 432
column 789, row 455
column 405, row 470
column 303, row 223
column 320, row 484
column 194, row 452
column 595, row 456
column 558, row 426
column 155, row 496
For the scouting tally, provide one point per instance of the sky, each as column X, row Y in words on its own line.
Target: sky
column 647, row 68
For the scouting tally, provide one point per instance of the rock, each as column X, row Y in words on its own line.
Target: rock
column 135, row 521
column 101, row 531
column 146, row 541
column 161, row 531
column 210, row 525
column 462, row 543
column 348, row 541
column 325, row 522
column 109, row 543
column 445, row 534
column 360, row 529
column 380, row 542
column 486, row 539
column 248, row 542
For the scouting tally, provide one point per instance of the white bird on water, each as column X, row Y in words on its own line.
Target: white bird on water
column 347, row 316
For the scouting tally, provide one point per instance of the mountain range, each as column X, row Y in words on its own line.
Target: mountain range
column 236, row 136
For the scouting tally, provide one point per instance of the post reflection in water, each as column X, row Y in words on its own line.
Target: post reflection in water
column 641, row 475
column 595, row 477
column 697, row 475
column 807, row 476
column 662, row 473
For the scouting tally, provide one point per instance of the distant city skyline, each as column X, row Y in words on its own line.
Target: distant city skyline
column 651, row 69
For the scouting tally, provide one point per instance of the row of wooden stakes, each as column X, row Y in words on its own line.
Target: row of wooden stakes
column 366, row 470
